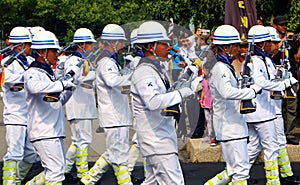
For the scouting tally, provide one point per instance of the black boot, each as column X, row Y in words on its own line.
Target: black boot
column 251, row 181
column 80, row 183
column 290, row 180
column 136, row 180
column 69, row 179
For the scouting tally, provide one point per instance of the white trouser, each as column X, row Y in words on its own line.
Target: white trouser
column 263, row 136
column 235, row 154
column 163, row 170
column 18, row 145
column 52, row 155
column 209, row 123
column 134, row 140
column 279, row 124
column 81, row 132
column 117, row 145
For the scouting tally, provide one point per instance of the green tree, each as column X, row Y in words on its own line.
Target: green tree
column 63, row 17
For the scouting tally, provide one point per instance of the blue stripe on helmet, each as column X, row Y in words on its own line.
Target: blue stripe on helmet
column 158, row 35
column 21, row 37
column 226, row 38
column 113, row 35
column 44, row 42
column 83, row 38
column 259, row 36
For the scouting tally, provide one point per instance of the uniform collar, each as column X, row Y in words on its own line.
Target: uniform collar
column 22, row 58
column 156, row 63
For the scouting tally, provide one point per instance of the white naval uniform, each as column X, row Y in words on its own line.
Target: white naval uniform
column 262, row 132
column 113, row 109
column 229, row 125
column 15, row 115
column 156, row 134
column 279, row 124
column 46, row 121
column 81, row 107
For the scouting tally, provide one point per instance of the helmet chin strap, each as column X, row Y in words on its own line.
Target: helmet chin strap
column 83, row 48
column 23, row 47
column 229, row 55
column 262, row 48
column 45, row 58
column 114, row 47
column 154, row 51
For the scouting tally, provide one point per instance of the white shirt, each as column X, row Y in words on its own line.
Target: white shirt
column 82, row 104
column 156, row 134
column 15, row 108
column 265, row 111
column 228, row 123
column 45, row 119
column 113, row 106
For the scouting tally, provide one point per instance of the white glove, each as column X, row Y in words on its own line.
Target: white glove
column 293, row 80
column 68, row 83
column 185, row 92
column 196, row 84
column 179, row 84
column 194, row 69
column 287, row 83
column 74, row 68
column 125, row 71
column 76, row 71
column 256, row 88
column 129, row 57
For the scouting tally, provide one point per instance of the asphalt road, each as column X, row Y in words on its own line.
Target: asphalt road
column 194, row 173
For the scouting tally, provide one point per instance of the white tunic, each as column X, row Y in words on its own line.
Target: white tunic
column 15, row 108
column 156, row 134
column 265, row 111
column 82, row 104
column 113, row 106
column 229, row 124
column 45, row 119
column 276, row 103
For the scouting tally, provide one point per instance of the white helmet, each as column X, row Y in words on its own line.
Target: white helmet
column 151, row 31
column 34, row 30
column 259, row 33
column 133, row 36
column 83, row 35
column 45, row 40
column 273, row 34
column 113, row 32
column 19, row 35
column 226, row 34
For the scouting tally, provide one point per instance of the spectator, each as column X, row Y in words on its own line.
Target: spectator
column 206, row 104
column 289, row 106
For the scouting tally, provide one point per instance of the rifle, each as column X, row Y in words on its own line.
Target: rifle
column 288, row 92
column 13, row 58
column 282, row 73
column 247, row 106
column 18, row 86
column 183, row 81
column 205, row 51
column 54, row 97
column 64, row 49
column 8, row 49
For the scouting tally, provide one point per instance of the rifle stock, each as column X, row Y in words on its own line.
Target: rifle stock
column 247, row 106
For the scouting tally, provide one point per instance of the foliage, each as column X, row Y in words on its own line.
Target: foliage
column 293, row 16
column 63, row 17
